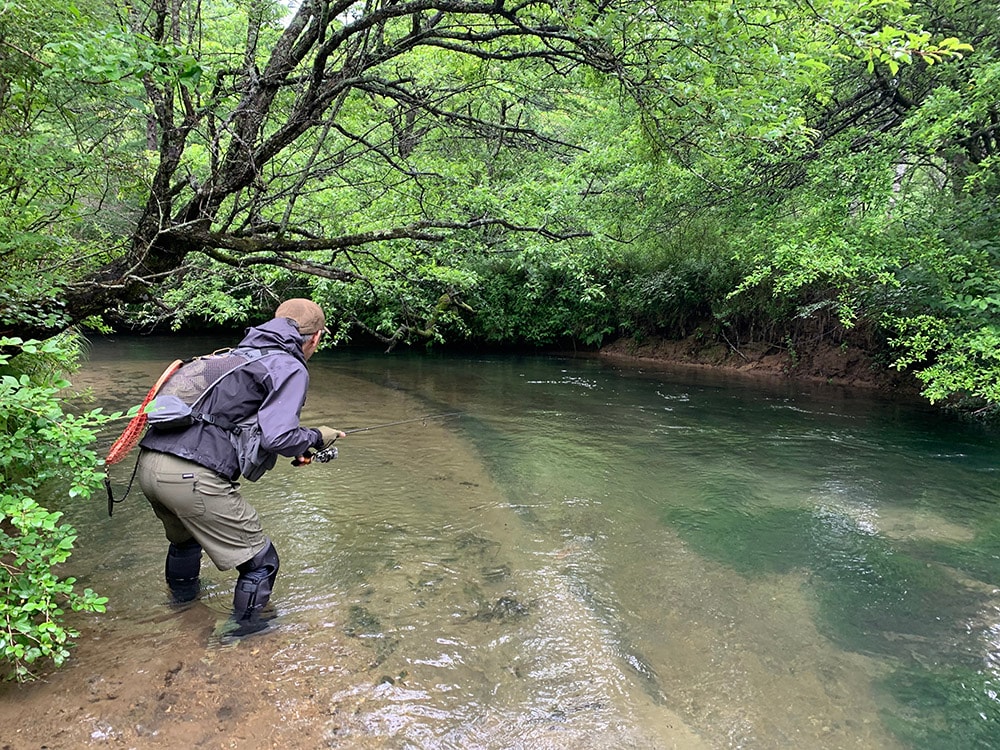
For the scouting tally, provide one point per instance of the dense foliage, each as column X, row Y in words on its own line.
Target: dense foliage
column 41, row 446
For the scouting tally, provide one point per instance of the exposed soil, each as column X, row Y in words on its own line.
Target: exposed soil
column 185, row 693
column 822, row 362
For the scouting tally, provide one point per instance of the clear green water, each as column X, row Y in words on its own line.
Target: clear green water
column 592, row 555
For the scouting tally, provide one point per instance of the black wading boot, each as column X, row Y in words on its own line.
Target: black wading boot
column 182, row 569
column 253, row 591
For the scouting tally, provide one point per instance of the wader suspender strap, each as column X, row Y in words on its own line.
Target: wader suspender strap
column 250, row 355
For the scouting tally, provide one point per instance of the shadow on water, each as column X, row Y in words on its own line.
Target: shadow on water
column 586, row 557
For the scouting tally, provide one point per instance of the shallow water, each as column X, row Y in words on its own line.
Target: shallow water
column 592, row 555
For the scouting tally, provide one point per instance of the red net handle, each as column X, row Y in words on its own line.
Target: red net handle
column 133, row 431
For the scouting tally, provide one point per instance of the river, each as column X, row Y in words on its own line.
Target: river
column 584, row 554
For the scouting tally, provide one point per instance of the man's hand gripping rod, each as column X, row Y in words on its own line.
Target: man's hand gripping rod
column 323, row 456
column 330, row 452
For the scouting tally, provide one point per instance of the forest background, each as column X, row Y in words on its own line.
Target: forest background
column 762, row 177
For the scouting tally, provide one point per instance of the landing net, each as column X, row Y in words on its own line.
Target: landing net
column 132, row 433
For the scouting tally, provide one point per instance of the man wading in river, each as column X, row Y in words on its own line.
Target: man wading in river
column 189, row 474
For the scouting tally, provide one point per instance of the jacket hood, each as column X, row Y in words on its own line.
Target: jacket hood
column 277, row 332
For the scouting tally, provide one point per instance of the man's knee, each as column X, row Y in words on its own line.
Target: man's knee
column 256, row 581
column 265, row 562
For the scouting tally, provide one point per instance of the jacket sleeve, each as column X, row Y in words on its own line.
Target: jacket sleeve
column 279, row 413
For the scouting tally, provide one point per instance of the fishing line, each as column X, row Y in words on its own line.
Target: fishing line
column 402, row 421
column 330, row 452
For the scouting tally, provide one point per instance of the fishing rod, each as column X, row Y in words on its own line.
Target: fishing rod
column 330, row 452
column 402, row 421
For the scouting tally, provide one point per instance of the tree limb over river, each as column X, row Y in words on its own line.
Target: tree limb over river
column 290, row 137
column 304, row 103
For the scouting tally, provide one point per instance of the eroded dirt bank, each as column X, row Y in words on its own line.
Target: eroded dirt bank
column 823, row 363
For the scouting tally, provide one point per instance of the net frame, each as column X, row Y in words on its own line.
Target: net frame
column 133, row 431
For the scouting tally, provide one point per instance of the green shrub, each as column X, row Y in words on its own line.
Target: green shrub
column 41, row 448
column 537, row 299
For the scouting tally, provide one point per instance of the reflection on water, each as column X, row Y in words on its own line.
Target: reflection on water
column 597, row 557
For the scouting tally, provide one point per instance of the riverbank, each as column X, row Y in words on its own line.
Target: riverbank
column 183, row 689
column 819, row 363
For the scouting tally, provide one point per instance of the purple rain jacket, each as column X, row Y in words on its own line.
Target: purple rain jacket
column 274, row 387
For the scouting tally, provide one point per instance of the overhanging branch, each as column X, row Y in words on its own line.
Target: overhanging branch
column 423, row 231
